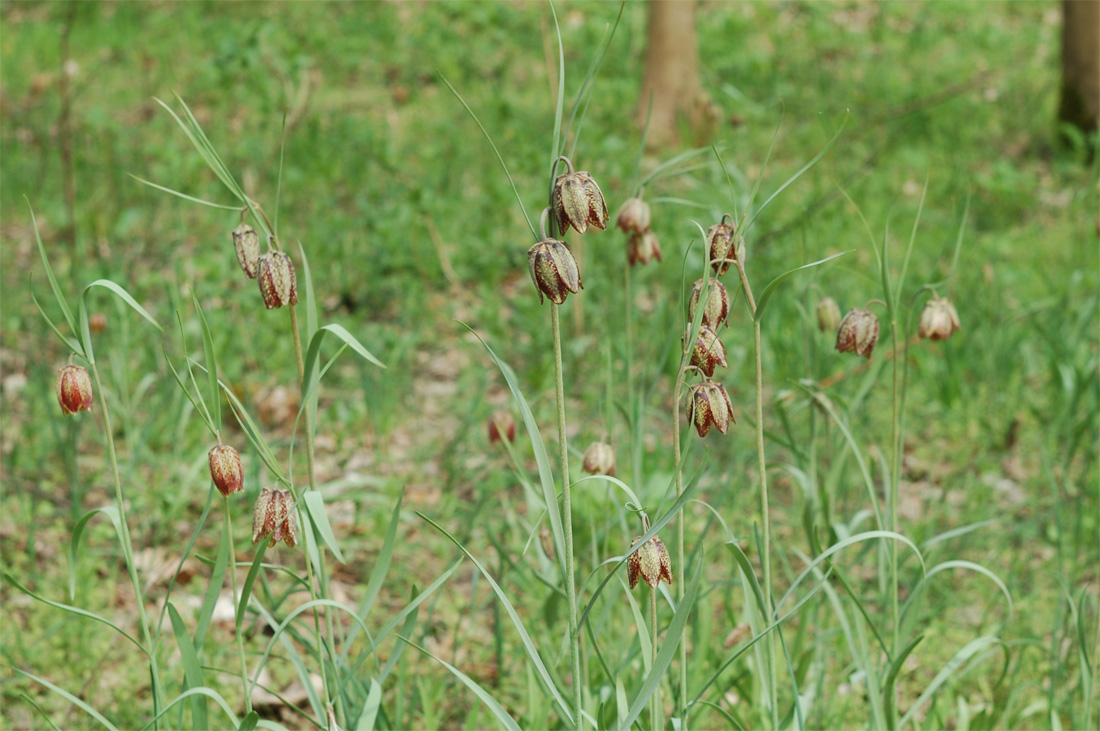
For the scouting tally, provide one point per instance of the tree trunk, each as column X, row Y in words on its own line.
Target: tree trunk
column 1080, row 104
column 671, row 71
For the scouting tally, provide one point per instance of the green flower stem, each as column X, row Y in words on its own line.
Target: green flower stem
column 895, row 476
column 635, row 452
column 233, row 580
column 570, row 582
column 656, row 718
column 765, row 559
column 127, row 544
column 681, row 569
column 308, row 426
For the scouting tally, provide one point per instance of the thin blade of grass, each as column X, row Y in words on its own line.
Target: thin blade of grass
column 378, row 573
column 186, row 197
column 54, row 286
column 958, row 564
column 192, row 670
column 667, row 651
column 204, row 691
column 769, row 290
column 71, row 344
column 491, row 703
column 315, row 506
column 111, row 511
column 399, row 649
column 124, row 296
column 211, row 363
column 528, row 643
column 249, row 580
column 794, row 177
column 213, row 589
column 890, row 697
column 70, row 698
column 961, row 658
column 370, row 707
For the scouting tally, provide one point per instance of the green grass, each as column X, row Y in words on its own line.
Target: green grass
column 410, row 225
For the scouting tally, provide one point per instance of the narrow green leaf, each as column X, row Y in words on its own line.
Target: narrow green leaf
column 315, row 504
column 249, row 721
column 71, row 344
column 769, row 290
column 124, row 296
column 406, row 631
column 746, row 569
column 215, row 409
column 54, row 286
column 249, row 580
column 667, row 651
column 958, row 564
column 310, row 377
column 72, row 610
column 70, row 698
column 528, row 644
column 192, row 669
column 213, row 589
column 889, row 682
column 252, row 431
column 191, row 693
column 370, row 707
column 491, row 703
column 311, row 298
column 186, row 197
column 542, row 459
column 797, row 175
column 379, row 571
column 961, row 658
column 41, row 712
column 111, row 511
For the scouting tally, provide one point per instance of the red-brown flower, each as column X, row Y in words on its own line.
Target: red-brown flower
column 858, row 333
column 717, row 308
column 502, row 426
column 273, row 517
column 642, row 248
column 710, row 406
column 247, row 243
column 707, row 351
column 721, row 239
column 554, row 270
column 225, row 469
column 650, row 562
column 278, row 284
column 634, row 217
column 74, row 389
column 577, row 201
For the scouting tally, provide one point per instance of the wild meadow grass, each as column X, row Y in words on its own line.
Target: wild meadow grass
column 909, row 539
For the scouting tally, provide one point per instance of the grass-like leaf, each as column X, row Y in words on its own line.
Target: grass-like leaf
column 974, row 648
column 54, row 286
column 889, row 682
column 315, row 506
column 192, row 692
column 70, row 698
column 186, row 197
column 73, row 610
column 211, row 356
column 378, row 573
column 769, row 290
column 491, row 703
column 192, row 669
column 958, row 564
column 111, row 511
column 528, row 643
column 213, row 589
column 370, row 707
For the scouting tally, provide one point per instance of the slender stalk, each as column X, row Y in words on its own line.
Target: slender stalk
column 656, row 701
column 635, row 452
column 233, row 583
column 762, row 466
column 570, row 583
column 681, row 569
column 308, row 426
column 127, row 544
column 895, row 476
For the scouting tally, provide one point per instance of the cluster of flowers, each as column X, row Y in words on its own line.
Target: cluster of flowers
column 710, row 403
column 641, row 244
column 858, row 331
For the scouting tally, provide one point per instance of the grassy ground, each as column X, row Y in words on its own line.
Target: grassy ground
column 409, row 226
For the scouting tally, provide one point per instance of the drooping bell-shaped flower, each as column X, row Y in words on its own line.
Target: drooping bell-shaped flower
column 554, row 270
column 858, row 333
column 74, row 389
column 651, row 562
column 273, row 517
column 828, row 315
column 247, row 243
column 578, row 202
column 939, row 319
column 225, row 469
column 717, row 307
column 710, row 406
column 278, row 284
column 599, row 459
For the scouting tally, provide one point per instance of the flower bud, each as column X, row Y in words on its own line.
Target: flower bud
column 939, row 319
column 650, row 562
column 710, row 406
column 74, row 389
column 273, row 517
column 577, row 201
column 717, row 308
column 225, row 469
column 720, row 239
column 828, row 315
column 599, row 459
column 554, row 270
column 858, row 333
column 502, row 426
column 247, row 243
column 634, row 216
column 278, row 285
column 97, row 322
column 707, row 351
column 641, row 248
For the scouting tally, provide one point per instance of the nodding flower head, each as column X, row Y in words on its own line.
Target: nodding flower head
column 717, row 308
column 721, row 239
column 650, row 562
column 554, row 270
column 634, row 217
column 642, row 248
column 225, row 469
column 247, row 243
column 578, row 202
column 939, row 319
column 278, row 285
column 828, row 315
column 858, row 333
column 502, row 426
column 74, row 389
column 599, row 459
column 273, row 517
column 707, row 351
column 710, row 406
